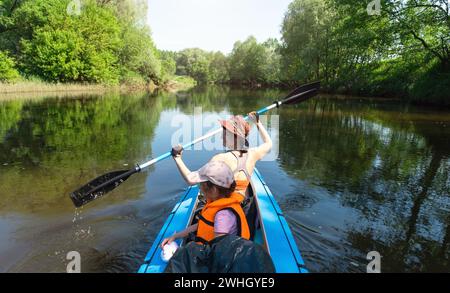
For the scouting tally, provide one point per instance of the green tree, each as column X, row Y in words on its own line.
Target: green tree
column 272, row 68
column 70, row 48
column 8, row 72
column 403, row 50
column 218, row 68
column 168, row 64
column 247, row 62
column 300, row 27
column 8, row 28
column 109, row 41
column 138, row 53
column 195, row 63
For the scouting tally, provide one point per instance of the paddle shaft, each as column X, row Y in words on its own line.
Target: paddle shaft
column 217, row 131
column 107, row 182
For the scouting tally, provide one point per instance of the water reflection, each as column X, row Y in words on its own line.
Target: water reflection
column 352, row 176
column 389, row 166
column 48, row 148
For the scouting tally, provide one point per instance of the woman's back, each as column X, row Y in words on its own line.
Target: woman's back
column 241, row 159
column 238, row 160
column 242, row 163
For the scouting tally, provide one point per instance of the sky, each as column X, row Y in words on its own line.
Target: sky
column 213, row 25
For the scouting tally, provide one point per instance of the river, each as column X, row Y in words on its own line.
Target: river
column 352, row 175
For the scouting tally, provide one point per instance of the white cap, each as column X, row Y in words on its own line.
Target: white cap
column 217, row 172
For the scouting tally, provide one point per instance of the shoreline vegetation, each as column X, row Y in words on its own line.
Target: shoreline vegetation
column 176, row 83
column 403, row 52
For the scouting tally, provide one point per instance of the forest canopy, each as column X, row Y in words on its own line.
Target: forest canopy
column 103, row 41
column 402, row 51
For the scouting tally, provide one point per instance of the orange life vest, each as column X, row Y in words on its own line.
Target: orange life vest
column 205, row 231
column 241, row 187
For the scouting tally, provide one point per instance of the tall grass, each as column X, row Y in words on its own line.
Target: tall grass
column 34, row 87
column 42, row 87
column 180, row 82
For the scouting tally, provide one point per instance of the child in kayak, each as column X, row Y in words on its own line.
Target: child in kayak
column 222, row 214
column 240, row 158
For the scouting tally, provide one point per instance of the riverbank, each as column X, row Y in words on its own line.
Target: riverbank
column 37, row 88
column 178, row 83
column 424, row 95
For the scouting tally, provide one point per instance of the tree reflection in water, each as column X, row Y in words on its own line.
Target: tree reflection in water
column 353, row 175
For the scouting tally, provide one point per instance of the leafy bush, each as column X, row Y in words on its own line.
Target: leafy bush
column 103, row 44
column 433, row 87
column 138, row 53
column 131, row 78
column 8, row 72
column 168, row 66
column 73, row 48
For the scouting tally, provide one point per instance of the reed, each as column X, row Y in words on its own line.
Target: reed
column 42, row 87
column 38, row 88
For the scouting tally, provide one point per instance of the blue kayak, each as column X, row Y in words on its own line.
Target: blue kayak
column 272, row 231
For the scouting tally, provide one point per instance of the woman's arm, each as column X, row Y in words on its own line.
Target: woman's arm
column 181, row 234
column 184, row 170
column 263, row 149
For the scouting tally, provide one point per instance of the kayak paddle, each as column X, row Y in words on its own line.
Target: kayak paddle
column 107, row 182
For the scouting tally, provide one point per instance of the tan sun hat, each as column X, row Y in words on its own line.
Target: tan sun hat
column 217, row 172
column 236, row 125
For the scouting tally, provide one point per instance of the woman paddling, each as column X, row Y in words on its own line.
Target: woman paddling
column 240, row 158
column 222, row 214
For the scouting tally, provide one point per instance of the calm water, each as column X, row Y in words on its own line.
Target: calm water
column 352, row 175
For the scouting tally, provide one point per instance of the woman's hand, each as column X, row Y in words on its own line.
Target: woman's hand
column 254, row 117
column 168, row 240
column 177, row 151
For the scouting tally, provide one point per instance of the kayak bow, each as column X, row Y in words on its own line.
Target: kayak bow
column 273, row 232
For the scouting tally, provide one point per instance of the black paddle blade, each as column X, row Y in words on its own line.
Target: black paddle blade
column 100, row 186
column 302, row 93
column 304, row 88
column 301, row 97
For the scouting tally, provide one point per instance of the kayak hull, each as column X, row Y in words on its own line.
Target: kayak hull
column 273, row 233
